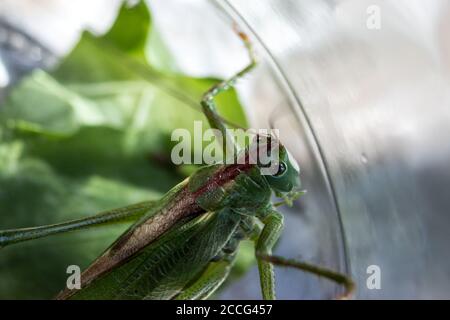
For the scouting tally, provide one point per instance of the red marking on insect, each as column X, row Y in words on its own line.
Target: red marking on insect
column 228, row 173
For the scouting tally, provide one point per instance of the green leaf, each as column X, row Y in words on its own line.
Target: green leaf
column 130, row 31
column 34, row 194
column 41, row 105
column 94, row 134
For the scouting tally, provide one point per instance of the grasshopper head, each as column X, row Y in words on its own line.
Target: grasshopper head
column 287, row 177
column 280, row 168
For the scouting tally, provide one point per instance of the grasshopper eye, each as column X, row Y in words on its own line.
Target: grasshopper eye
column 281, row 169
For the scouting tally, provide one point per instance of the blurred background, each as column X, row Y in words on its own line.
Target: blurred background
column 360, row 92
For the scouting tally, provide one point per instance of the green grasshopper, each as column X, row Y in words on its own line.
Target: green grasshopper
column 183, row 246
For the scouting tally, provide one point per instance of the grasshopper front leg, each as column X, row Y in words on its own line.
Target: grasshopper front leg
column 273, row 226
column 209, row 106
column 268, row 237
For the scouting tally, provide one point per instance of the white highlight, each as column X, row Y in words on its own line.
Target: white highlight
column 4, row 77
column 293, row 161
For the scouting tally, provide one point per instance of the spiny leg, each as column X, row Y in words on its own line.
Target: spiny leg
column 337, row 277
column 271, row 232
column 209, row 281
column 209, row 106
column 273, row 225
column 288, row 199
column 268, row 237
column 126, row 214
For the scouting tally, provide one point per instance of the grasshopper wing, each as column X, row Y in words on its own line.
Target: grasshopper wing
column 163, row 268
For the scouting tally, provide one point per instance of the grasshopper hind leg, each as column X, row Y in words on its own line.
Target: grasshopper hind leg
column 122, row 215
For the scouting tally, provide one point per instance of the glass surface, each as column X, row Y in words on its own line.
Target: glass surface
column 377, row 103
column 365, row 111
